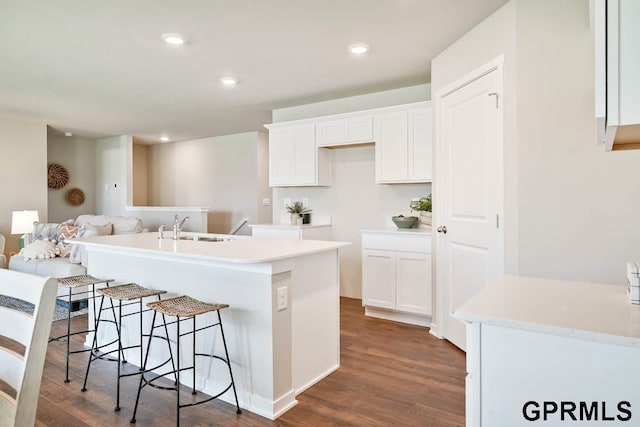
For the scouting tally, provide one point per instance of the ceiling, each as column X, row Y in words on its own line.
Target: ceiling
column 100, row 68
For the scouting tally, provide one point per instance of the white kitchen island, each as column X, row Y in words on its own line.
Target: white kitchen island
column 551, row 352
column 275, row 352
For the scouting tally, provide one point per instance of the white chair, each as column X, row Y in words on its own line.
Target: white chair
column 3, row 258
column 23, row 372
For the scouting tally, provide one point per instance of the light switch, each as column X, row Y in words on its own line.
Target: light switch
column 305, row 202
column 266, row 201
column 287, row 201
column 282, row 298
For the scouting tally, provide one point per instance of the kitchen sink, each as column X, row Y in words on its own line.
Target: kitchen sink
column 203, row 238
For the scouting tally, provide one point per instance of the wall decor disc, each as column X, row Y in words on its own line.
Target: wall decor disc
column 75, row 197
column 57, row 176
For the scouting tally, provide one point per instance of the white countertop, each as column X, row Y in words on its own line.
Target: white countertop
column 237, row 250
column 290, row 226
column 396, row 230
column 588, row 311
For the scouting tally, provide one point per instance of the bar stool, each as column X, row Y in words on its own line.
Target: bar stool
column 127, row 293
column 72, row 283
column 184, row 307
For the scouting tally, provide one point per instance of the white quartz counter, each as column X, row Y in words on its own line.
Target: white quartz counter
column 237, row 250
column 290, row 226
column 396, row 230
column 588, row 311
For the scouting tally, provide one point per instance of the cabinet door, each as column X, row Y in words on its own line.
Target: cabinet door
column 344, row 131
column 281, row 157
column 419, row 153
column 292, row 156
column 413, row 282
column 305, row 155
column 378, row 278
column 390, row 134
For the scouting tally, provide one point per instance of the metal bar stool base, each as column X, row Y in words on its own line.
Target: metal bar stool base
column 132, row 294
column 182, row 308
column 71, row 283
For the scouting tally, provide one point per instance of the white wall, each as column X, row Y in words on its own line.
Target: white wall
column 113, row 174
column 353, row 201
column 23, row 172
column 226, row 174
column 405, row 95
column 571, row 207
column 78, row 156
column 578, row 204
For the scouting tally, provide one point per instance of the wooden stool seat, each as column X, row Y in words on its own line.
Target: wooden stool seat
column 81, row 280
column 129, row 292
column 184, row 306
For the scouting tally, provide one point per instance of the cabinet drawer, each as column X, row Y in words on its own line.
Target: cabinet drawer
column 397, row 242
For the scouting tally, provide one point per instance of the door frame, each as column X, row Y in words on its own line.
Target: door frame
column 439, row 289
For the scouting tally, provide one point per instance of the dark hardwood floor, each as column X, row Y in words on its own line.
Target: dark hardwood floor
column 391, row 374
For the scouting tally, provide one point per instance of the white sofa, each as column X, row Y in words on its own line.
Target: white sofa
column 75, row 264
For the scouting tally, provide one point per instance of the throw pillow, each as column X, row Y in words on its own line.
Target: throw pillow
column 97, row 230
column 127, row 225
column 88, row 230
column 40, row 249
column 66, row 232
column 47, row 231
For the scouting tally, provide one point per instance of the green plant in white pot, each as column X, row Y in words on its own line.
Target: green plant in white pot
column 423, row 206
column 296, row 210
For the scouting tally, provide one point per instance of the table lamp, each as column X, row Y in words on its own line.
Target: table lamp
column 22, row 223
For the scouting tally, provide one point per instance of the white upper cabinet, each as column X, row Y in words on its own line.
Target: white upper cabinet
column 617, row 35
column 403, row 146
column 300, row 151
column 294, row 159
column 350, row 130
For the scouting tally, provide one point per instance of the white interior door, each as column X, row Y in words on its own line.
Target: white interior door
column 470, row 193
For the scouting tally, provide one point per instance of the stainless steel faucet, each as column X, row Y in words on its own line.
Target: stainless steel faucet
column 177, row 226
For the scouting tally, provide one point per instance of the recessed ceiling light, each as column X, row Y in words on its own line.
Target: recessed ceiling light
column 228, row 81
column 68, row 134
column 164, row 138
column 174, row 38
column 358, row 48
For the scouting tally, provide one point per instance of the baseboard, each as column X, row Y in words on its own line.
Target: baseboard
column 398, row 316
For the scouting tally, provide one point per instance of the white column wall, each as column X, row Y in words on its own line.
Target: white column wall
column 23, row 172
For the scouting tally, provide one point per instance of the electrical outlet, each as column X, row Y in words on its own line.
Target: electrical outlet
column 286, row 201
column 305, row 202
column 282, row 298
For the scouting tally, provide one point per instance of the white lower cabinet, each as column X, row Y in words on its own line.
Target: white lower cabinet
column 396, row 276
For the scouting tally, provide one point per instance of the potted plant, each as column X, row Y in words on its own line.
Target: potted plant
column 423, row 206
column 297, row 210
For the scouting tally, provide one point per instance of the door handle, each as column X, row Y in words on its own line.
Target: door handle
column 442, row 229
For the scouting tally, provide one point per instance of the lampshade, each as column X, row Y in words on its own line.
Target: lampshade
column 22, row 221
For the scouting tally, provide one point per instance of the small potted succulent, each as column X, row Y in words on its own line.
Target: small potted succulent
column 423, row 206
column 297, row 211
